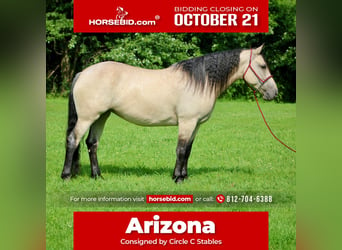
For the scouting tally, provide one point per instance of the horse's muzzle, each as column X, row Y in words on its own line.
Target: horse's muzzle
column 270, row 94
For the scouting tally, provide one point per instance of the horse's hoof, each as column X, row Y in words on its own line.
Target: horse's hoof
column 65, row 176
column 179, row 179
column 96, row 176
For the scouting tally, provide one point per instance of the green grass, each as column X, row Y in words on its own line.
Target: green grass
column 233, row 152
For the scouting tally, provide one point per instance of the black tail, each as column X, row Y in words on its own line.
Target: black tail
column 72, row 113
column 72, row 119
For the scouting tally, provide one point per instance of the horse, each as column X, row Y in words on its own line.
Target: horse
column 183, row 95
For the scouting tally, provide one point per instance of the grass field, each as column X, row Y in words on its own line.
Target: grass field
column 233, row 152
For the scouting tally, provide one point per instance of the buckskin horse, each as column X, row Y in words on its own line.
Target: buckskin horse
column 182, row 95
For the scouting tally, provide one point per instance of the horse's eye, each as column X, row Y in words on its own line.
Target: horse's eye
column 263, row 66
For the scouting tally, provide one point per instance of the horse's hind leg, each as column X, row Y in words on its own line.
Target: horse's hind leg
column 69, row 155
column 92, row 142
column 75, row 167
column 186, row 136
column 72, row 146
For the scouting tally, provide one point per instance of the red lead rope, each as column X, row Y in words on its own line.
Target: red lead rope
column 263, row 117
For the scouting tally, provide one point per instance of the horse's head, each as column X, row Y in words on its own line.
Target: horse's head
column 257, row 74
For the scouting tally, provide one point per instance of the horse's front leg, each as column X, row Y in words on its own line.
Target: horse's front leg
column 187, row 154
column 187, row 133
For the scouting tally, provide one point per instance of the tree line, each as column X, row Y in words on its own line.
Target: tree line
column 68, row 53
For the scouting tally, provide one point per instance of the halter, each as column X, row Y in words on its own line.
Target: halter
column 255, row 73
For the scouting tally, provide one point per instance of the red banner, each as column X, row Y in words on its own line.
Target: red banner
column 171, row 16
column 170, row 230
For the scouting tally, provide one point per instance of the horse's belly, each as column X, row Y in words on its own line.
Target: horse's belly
column 145, row 111
column 147, row 117
column 150, row 103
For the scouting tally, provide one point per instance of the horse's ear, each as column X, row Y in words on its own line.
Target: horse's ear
column 259, row 49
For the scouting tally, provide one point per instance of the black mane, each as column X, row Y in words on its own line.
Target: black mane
column 213, row 69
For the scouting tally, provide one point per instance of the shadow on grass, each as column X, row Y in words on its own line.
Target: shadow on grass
column 144, row 171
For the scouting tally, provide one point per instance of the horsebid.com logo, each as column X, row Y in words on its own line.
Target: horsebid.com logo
column 120, row 19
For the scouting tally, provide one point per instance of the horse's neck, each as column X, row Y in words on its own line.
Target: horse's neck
column 239, row 71
column 238, row 74
column 244, row 62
